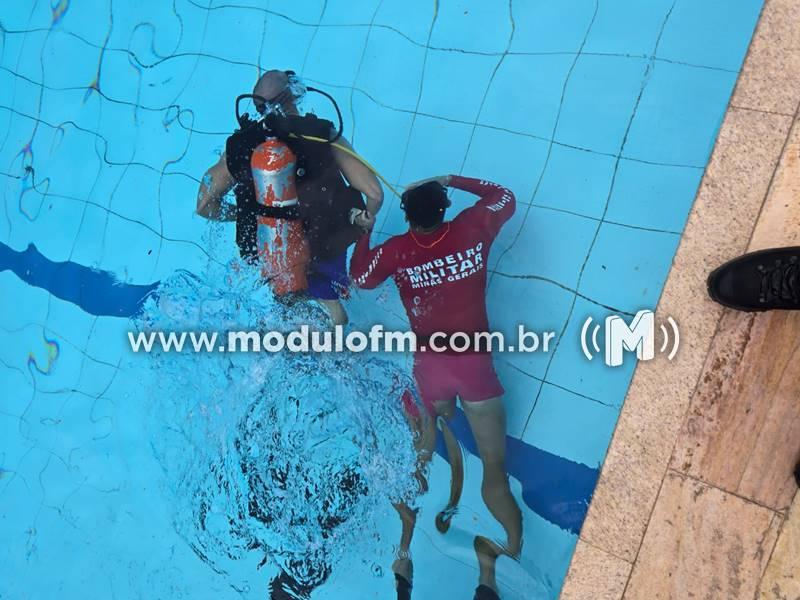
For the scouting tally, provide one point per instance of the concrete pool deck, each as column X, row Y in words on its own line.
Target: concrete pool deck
column 696, row 496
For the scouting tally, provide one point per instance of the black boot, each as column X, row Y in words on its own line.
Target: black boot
column 797, row 474
column 764, row 280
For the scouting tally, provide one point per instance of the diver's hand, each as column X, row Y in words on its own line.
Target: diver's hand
column 363, row 219
column 441, row 179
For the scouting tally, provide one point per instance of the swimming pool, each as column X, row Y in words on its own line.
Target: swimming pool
column 600, row 116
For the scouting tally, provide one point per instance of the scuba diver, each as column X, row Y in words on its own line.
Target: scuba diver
column 298, row 185
column 440, row 270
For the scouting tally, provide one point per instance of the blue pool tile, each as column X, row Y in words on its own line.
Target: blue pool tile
column 599, row 102
column 520, row 392
column 345, row 12
column 86, row 248
column 71, row 327
column 546, row 561
column 128, row 31
column 570, row 369
column 16, row 397
column 536, row 305
column 571, row 426
column 26, row 62
column 576, row 180
column 552, row 245
column 506, row 239
column 714, row 33
column 627, row 267
column 20, row 16
column 472, row 25
column 391, row 70
column 70, row 62
column 679, row 115
column 411, row 17
column 430, row 149
column 11, row 45
column 522, row 159
column 548, row 27
column 331, row 61
column 104, row 342
column 188, row 18
column 308, row 13
column 246, row 26
column 123, row 200
column 627, row 27
column 91, row 22
column 286, row 45
column 525, row 95
column 129, row 251
column 375, row 125
column 172, row 256
column 120, row 89
column 14, row 313
column 653, row 196
column 455, row 84
column 49, row 223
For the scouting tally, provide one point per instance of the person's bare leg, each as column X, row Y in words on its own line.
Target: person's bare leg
column 487, row 420
column 402, row 565
column 424, row 430
column 447, row 410
column 336, row 311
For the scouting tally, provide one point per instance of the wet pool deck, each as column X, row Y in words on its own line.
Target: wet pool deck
column 696, row 497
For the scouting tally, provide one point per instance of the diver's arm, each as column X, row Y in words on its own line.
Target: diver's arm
column 359, row 175
column 216, row 182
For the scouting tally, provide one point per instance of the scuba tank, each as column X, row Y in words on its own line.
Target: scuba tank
column 281, row 243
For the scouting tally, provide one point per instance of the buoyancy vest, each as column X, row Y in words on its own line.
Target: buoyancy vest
column 324, row 197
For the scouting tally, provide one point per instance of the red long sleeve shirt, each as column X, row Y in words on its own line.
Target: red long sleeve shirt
column 441, row 276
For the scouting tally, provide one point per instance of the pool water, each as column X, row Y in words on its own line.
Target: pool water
column 121, row 474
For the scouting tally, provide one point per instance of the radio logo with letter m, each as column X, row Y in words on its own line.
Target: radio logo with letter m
column 639, row 337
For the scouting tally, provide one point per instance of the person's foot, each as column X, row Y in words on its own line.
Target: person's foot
column 485, row 546
column 483, row 592
column 487, row 552
column 444, row 518
column 764, row 280
column 403, row 570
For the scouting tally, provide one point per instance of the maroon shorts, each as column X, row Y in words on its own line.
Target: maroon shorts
column 442, row 377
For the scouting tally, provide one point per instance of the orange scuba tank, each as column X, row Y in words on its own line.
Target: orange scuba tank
column 282, row 247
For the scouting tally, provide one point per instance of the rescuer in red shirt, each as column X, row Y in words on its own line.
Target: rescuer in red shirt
column 440, row 269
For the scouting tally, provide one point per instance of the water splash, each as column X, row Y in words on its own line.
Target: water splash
column 292, row 456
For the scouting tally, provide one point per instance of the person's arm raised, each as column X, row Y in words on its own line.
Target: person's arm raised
column 495, row 205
